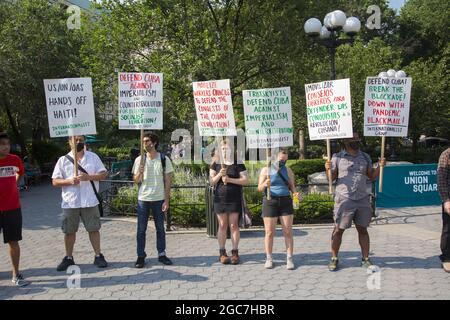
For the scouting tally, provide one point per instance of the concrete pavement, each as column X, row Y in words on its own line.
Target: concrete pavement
column 405, row 246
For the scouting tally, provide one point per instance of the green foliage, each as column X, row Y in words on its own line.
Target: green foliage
column 303, row 168
column 315, row 151
column 315, row 207
column 423, row 155
column 256, row 44
column 35, row 44
column 120, row 153
column 125, row 201
column 48, row 151
column 424, row 29
column 353, row 63
column 188, row 206
column 191, row 174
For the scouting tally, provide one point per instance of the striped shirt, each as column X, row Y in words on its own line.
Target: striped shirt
column 444, row 175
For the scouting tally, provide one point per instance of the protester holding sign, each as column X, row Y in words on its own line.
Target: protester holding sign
column 227, row 177
column 281, row 180
column 153, row 173
column 79, row 198
column 444, row 192
column 352, row 168
column 11, row 170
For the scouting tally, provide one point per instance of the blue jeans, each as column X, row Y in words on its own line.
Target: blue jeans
column 143, row 211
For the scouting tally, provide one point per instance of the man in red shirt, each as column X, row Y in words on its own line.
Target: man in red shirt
column 11, row 169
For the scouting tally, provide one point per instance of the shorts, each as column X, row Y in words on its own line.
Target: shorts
column 89, row 216
column 11, row 225
column 348, row 210
column 277, row 207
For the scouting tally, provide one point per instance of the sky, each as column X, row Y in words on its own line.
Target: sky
column 396, row 4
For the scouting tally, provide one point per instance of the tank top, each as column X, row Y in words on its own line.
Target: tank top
column 278, row 187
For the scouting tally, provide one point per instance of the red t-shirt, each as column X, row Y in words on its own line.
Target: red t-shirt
column 9, row 194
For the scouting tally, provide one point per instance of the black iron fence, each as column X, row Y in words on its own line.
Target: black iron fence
column 192, row 206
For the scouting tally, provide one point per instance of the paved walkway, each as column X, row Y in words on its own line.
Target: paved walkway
column 405, row 246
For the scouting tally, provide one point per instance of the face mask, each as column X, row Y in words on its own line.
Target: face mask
column 282, row 163
column 80, row 146
column 354, row 145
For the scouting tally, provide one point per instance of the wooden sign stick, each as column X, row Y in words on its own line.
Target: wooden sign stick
column 383, row 143
column 75, row 160
column 268, row 153
column 330, row 183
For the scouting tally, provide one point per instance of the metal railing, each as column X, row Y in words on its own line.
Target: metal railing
column 192, row 206
column 187, row 205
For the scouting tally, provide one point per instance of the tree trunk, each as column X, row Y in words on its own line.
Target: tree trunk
column 414, row 147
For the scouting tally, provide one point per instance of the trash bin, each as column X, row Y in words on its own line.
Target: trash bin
column 211, row 219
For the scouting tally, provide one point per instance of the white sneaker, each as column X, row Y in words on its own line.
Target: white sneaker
column 268, row 264
column 290, row 263
column 20, row 281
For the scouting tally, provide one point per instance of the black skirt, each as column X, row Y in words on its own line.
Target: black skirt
column 220, row 206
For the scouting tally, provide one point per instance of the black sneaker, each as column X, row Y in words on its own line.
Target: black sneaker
column 100, row 261
column 140, row 262
column 165, row 260
column 65, row 263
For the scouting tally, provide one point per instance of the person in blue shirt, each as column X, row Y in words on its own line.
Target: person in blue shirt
column 281, row 181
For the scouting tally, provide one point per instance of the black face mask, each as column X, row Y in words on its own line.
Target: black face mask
column 80, row 146
column 354, row 145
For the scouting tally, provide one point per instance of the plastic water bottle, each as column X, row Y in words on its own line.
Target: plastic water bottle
column 296, row 201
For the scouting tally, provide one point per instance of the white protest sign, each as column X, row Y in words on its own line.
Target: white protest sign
column 386, row 106
column 268, row 117
column 214, row 108
column 329, row 109
column 70, row 107
column 140, row 100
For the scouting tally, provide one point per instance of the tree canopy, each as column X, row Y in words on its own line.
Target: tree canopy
column 256, row 44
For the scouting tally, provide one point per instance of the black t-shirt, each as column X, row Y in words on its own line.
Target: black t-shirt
column 230, row 192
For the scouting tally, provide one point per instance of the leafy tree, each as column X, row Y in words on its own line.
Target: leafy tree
column 35, row 44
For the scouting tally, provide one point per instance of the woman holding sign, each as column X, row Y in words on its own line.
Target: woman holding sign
column 281, row 181
column 227, row 177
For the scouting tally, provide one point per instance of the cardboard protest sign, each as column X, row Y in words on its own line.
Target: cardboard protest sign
column 214, row 108
column 268, row 117
column 70, row 107
column 386, row 106
column 329, row 110
column 140, row 100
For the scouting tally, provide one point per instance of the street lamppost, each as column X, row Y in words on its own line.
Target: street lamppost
column 391, row 73
column 334, row 24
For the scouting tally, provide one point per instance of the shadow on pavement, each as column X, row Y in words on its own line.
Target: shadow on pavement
column 278, row 233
